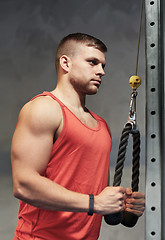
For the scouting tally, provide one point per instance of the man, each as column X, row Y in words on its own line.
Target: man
column 60, row 153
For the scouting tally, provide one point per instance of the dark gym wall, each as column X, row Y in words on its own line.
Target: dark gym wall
column 30, row 32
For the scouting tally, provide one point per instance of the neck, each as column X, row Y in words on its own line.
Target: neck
column 69, row 96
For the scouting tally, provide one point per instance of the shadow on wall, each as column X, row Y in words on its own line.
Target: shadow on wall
column 5, row 163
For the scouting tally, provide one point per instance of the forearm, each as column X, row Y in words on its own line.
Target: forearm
column 39, row 191
column 44, row 193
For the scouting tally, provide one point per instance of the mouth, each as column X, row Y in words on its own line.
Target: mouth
column 96, row 82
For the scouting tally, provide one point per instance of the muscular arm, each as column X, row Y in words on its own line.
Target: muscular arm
column 31, row 147
column 30, row 152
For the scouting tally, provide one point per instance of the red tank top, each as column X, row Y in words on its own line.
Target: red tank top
column 79, row 162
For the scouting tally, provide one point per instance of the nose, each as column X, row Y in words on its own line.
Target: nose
column 101, row 71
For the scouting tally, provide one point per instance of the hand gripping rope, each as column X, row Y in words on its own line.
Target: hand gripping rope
column 126, row 218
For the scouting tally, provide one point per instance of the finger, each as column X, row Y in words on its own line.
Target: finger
column 136, row 212
column 121, row 189
column 138, row 195
column 119, row 198
column 135, row 207
column 120, row 192
column 136, row 201
column 121, row 203
column 128, row 191
column 131, row 203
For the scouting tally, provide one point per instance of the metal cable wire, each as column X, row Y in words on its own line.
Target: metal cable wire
column 139, row 35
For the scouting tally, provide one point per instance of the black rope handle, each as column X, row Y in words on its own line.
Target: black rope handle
column 126, row 218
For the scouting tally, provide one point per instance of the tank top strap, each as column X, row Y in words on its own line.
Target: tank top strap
column 45, row 93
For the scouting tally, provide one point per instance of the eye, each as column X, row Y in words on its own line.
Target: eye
column 92, row 62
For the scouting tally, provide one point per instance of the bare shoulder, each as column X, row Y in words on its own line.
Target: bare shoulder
column 42, row 113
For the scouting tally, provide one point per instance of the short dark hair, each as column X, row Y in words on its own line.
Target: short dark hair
column 65, row 48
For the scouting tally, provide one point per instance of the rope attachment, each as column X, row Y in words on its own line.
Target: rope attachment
column 126, row 218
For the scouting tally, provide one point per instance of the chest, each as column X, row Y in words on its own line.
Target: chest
column 86, row 118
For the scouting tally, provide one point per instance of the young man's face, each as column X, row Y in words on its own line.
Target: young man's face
column 87, row 68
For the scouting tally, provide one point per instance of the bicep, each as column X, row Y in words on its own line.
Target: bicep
column 31, row 150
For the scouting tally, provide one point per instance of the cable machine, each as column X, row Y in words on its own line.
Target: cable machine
column 155, row 150
column 154, row 120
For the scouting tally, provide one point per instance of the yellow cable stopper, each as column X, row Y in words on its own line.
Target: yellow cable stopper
column 135, row 82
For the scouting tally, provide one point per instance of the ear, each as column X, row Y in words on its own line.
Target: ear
column 64, row 62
